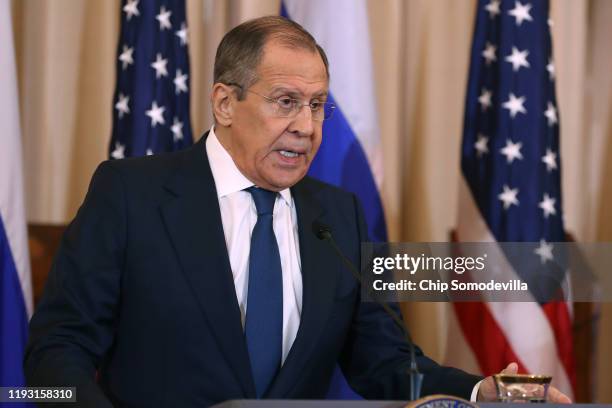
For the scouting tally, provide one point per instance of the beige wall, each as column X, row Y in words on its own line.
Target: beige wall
column 66, row 52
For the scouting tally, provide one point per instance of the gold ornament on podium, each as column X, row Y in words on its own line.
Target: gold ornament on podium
column 441, row 401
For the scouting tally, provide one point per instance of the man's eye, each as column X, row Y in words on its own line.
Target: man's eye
column 285, row 102
column 315, row 105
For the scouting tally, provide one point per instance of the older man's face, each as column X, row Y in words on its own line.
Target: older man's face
column 276, row 152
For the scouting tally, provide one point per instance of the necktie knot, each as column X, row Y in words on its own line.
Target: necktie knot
column 264, row 200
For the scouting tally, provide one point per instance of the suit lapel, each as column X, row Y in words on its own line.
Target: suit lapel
column 193, row 220
column 318, row 290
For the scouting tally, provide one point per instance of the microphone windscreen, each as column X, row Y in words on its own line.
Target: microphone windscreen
column 321, row 230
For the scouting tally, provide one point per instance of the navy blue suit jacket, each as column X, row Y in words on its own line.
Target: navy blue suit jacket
column 140, row 307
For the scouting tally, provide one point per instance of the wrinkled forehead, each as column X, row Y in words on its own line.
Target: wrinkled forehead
column 299, row 65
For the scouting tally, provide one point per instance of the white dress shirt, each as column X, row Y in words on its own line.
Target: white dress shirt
column 239, row 215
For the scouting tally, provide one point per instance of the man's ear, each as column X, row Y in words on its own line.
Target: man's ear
column 222, row 99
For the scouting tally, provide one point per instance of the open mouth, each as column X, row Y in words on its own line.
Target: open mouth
column 289, row 153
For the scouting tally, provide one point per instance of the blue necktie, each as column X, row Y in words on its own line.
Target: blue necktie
column 264, row 316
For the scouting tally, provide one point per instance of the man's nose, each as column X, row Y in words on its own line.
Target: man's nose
column 302, row 123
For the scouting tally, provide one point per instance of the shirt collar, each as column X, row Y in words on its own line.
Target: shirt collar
column 228, row 179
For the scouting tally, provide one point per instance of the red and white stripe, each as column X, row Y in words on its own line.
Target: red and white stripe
column 486, row 336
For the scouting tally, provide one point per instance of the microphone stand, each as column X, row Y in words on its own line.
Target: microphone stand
column 323, row 232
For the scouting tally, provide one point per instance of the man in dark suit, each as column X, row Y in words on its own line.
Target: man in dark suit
column 192, row 278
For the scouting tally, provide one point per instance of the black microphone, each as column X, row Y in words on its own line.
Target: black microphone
column 323, row 232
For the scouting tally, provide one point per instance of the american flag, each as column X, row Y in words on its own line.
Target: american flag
column 511, row 185
column 151, row 102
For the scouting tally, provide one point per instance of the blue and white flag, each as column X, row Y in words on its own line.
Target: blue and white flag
column 15, row 283
column 151, row 103
column 350, row 153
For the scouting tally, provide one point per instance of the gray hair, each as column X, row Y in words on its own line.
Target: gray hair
column 241, row 49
